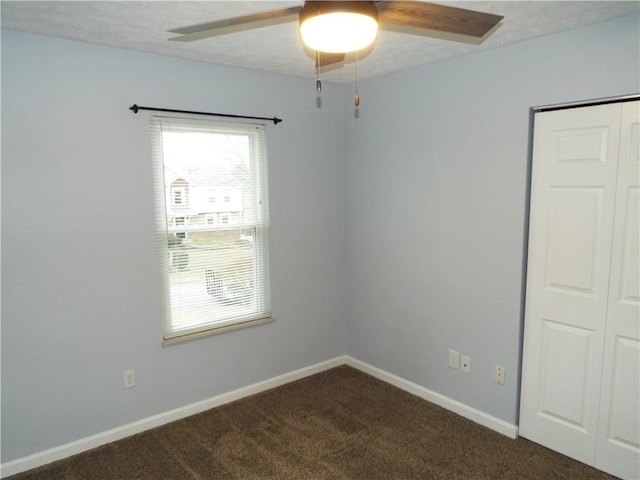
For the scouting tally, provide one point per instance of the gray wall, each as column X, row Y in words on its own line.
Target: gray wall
column 81, row 291
column 395, row 236
column 437, row 185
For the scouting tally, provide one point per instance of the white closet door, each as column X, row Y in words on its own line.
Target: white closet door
column 575, row 156
column 618, row 445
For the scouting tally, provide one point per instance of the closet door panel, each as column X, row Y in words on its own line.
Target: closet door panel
column 575, row 224
column 575, row 155
column 570, row 409
column 618, row 447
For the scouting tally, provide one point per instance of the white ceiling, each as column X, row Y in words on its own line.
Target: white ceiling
column 143, row 25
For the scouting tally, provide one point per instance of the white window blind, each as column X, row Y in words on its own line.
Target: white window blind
column 213, row 255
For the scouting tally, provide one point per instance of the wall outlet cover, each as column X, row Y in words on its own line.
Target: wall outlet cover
column 465, row 364
column 129, row 378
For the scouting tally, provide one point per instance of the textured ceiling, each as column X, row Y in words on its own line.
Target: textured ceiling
column 143, row 25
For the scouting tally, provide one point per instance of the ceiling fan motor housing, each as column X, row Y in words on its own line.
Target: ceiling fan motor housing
column 312, row 9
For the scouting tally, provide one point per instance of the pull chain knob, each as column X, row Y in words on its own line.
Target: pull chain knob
column 356, row 98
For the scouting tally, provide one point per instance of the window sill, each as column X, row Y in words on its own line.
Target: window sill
column 179, row 338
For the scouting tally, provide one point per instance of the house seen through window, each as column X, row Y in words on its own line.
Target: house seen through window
column 214, row 254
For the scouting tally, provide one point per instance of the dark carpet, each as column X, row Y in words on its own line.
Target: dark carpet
column 339, row 424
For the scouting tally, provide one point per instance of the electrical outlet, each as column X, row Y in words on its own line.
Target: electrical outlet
column 498, row 374
column 465, row 364
column 129, row 377
column 454, row 359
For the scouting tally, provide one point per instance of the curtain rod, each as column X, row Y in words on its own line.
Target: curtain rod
column 135, row 108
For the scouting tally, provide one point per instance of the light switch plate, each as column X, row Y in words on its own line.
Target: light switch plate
column 454, row 359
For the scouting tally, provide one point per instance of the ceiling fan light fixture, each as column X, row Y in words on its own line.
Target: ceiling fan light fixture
column 338, row 27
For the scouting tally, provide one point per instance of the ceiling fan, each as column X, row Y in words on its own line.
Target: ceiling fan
column 334, row 28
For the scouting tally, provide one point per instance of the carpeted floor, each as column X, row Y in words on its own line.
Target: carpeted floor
column 339, row 424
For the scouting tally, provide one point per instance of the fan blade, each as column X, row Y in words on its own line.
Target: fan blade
column 229, row 25
column 323, row 59
column 431, row 16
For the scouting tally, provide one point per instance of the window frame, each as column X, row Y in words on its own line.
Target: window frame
column 259, row 228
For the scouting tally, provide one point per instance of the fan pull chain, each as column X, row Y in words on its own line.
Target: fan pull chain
column 356, row 98
column 318, row 81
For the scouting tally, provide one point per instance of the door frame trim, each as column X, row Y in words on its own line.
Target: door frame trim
column 586, row 103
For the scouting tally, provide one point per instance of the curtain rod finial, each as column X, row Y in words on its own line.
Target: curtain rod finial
column 134, row 108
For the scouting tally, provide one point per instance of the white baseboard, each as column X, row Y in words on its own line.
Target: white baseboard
column 93, row 441
column 63, row 451
column 477, row 416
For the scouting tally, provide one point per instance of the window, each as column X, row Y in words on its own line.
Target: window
column 179, row 195
column 216, row 273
